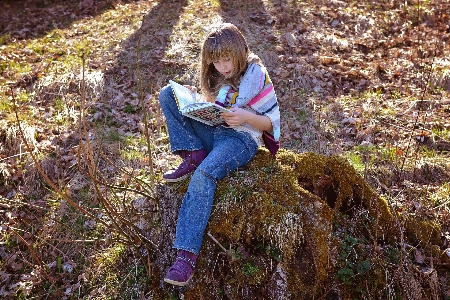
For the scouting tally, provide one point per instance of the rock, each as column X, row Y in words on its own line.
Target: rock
column 310, row 227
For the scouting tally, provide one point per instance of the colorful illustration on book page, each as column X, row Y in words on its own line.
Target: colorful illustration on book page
column 211, row 114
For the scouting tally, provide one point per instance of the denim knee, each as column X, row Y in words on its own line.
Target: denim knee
column 166, row 96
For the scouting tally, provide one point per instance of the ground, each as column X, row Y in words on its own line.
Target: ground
column 368, row 81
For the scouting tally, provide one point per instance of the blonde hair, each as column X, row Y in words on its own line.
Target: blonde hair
column 224, row 41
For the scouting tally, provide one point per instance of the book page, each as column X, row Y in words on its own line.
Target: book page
column 208, row 113
column 183, row 95
column 196, row 107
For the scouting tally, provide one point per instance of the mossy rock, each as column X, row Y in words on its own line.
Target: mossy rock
column 298, row 226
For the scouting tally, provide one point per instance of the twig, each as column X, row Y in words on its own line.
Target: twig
column 19, row 154
column 116, row 217
column 420, row 110
column 22, row 203
column 126, row 172
column 217, row 242
column 33, row 253
column 76, row 241
column 144, row 109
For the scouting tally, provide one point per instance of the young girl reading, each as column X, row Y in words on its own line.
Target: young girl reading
column 231, row 76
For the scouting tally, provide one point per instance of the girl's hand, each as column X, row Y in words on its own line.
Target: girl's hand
column 194, row 90
column 237, row 116
column 191, row 88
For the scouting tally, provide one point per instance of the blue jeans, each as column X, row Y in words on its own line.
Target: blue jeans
column 227, row 150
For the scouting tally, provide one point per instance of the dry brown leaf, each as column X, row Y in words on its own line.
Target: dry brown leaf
column 329, row 60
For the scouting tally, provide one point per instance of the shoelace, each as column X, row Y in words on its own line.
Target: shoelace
column 186, row 259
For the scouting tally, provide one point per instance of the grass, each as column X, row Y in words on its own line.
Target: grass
column 443, row 133
column 114, row 136
column 130, row 109
column 427, row 152
column 110, row 256
column 366, row 157
column 131, row 154
column 62, row 114
column 356, row 160
column 18, row 67
column 5, row 39
column 249, row 270
column 24, row 110
column 442, row 195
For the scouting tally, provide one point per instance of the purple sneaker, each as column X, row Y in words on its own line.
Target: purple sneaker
column 182, row 270
column 191, row 160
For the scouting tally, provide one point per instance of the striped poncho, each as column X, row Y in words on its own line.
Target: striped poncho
column 256, row 92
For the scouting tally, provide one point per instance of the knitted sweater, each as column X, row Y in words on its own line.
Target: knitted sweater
column 255, row 93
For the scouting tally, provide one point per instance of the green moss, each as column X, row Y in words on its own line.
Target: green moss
column 295, row 203
column 422, row 232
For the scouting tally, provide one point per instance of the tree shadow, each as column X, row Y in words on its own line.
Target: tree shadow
column 36, row 18
column 151, row 41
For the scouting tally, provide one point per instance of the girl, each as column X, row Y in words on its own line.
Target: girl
column 233, row 77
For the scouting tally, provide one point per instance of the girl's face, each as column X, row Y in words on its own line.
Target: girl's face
column 224, row 66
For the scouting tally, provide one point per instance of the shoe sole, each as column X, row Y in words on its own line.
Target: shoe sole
column 177, row 283
column 177, row 179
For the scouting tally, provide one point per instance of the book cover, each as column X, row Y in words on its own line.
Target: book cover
column 195, row 107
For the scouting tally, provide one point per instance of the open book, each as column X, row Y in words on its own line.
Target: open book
column 194, row 106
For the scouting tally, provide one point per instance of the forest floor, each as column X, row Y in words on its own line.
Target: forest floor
column 367, row 80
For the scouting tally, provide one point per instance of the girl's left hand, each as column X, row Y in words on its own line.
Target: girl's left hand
column 237, row 116
column 191, row 88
